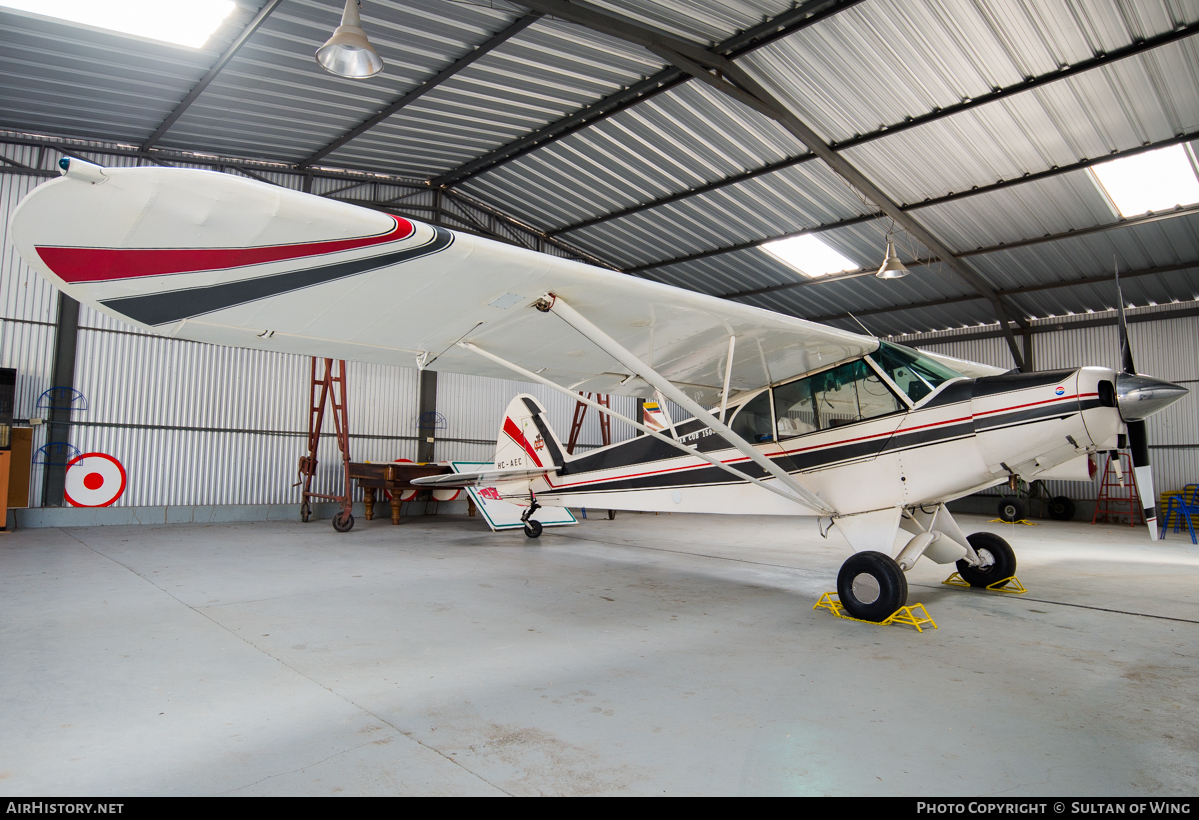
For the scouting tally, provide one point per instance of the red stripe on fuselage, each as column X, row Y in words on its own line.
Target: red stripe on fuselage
column 104, row 264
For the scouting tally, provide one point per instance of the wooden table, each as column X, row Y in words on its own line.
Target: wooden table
column 395, row 477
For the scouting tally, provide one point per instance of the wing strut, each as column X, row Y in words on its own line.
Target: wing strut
column 533, row 377
column 613, row 348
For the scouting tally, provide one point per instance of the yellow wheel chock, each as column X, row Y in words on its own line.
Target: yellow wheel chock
column 910, row 615
column 1011, row 585
column 1021, row 521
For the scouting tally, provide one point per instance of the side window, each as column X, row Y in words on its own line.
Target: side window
column 794, row 410
column 849, row 393
column 753, row 423
column 835, row 395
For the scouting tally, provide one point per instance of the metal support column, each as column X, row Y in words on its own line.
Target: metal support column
column 427, row 409
column 59, row 433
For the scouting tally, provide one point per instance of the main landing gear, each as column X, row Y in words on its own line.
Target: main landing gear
column 872, row 586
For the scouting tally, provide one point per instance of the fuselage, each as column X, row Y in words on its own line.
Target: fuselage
column 966, row 435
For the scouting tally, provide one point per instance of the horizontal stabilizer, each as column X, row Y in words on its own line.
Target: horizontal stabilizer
column 485, row 478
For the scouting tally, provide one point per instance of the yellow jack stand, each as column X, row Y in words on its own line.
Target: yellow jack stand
column 1012, row 585
column 903, row 615
column 1021, row 521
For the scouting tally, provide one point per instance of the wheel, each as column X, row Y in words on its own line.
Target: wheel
column 871, row 586
column 533, row 528
column 1061, row 508
column 305, row 512
column 611, row 514
column 1010, row 509
column 343, row 522
column 997, row 553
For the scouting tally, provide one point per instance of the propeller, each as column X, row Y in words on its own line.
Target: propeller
column 1139, row 397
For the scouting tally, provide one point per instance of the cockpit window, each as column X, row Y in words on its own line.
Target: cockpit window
column 916, row 375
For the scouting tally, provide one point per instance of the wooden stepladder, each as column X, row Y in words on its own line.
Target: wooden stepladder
column 576, row 424
column 331, row 388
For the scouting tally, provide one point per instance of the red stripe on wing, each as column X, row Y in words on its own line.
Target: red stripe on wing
column 103, row 264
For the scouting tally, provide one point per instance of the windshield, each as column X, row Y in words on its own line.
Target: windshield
column 916, row 375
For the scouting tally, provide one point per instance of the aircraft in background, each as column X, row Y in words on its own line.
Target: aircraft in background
column 805, row 420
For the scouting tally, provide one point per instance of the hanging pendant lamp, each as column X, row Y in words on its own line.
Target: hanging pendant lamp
column 348, row 53
column 891, row 268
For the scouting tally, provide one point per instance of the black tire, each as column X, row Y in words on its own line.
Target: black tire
column 871, row 586
column 343, row 522
column 533, row 528
column 990, row 546
column 1011, row 509
column 611, row 515
column 1061, row 508
column 305, row 512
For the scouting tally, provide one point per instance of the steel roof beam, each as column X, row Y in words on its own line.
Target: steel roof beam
column 723, row 75
column 1007, row 246
column 787, row 23
column 950, row 197
column 953, row 300
column 428, row 85
column 221, row 62
column 908, row 124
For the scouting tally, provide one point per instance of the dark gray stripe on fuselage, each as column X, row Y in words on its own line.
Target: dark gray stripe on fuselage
column 172, row 306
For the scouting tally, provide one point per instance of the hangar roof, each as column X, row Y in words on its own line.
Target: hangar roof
column 977, row 120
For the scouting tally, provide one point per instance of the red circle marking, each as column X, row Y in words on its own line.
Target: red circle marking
column 118, row 493
column 93, row 481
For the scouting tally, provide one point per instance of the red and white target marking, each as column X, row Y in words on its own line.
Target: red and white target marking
column 94, row 480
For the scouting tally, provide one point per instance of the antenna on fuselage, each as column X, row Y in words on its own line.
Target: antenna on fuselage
column 862, row 326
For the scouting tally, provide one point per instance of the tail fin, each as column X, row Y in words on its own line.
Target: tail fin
column 526, row 439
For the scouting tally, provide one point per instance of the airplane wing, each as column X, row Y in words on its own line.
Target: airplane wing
column 484, row 478
column 216, row 258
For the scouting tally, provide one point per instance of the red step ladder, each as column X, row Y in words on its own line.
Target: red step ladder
column 576, row 425
column 331, row 388
column 1117, row 498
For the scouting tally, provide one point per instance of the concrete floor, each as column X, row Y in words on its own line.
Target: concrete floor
column 652, row 654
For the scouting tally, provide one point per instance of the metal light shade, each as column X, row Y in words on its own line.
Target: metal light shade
column 891, row 268
column 348, row 53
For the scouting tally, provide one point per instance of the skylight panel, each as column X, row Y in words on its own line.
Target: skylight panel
column 1152, row 181
column 179, row 22
column 809, row 255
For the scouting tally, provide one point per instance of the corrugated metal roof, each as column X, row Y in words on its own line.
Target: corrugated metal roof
column 880, row 62
column 82, row 81
column 539, row 76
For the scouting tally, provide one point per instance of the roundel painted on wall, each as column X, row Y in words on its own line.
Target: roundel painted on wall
column 94, row 480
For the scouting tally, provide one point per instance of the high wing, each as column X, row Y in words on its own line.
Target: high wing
column 216, row 258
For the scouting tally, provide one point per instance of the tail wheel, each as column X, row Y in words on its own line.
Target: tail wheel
column 871, row 586
column 343, row 522
column 611, row 514
column 999, row 560
column 1010, row 509
column 533, row 528
column 1061, row 508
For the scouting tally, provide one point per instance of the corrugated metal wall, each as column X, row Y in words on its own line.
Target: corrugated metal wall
column 1167, row 348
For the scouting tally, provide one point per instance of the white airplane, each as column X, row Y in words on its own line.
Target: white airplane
column 807, row 420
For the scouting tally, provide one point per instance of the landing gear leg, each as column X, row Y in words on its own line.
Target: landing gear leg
column 532, row 528
column 871, row 586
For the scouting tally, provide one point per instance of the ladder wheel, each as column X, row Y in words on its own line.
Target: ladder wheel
column 343, row 522
column 305, row 512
